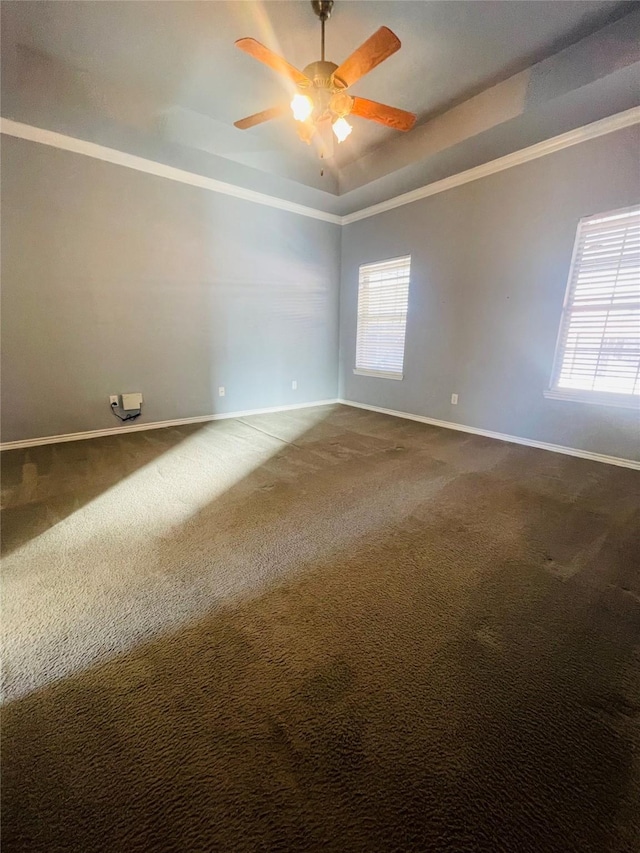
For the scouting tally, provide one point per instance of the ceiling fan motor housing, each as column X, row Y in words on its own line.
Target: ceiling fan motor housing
column 320, row 73
column 326, row 95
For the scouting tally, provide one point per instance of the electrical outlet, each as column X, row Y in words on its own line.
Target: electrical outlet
column 221, row 391
column 454, row 399
column 294, row 385
column 113, row 400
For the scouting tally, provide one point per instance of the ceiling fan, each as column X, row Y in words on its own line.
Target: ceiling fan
column 321, row 102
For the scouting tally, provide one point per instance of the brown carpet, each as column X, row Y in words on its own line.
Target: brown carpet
column 319, row 630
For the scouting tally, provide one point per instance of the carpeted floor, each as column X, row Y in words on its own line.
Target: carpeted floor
column 319, row 630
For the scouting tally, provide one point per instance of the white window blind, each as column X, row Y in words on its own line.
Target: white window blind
column 598, row 352
column 383, row 295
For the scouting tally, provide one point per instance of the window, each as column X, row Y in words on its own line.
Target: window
column 383, row 294
column 598, row 352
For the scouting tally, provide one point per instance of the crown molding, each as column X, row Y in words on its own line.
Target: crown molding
column 501, row 436
column 619, row 121
column 611, row 124
column 152, row 167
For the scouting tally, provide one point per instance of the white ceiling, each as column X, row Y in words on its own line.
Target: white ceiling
column 170, row 69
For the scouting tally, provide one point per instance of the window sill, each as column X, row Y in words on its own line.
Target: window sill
column 379, row 374
column 596, row 398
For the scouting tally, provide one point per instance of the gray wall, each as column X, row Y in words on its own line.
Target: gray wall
column 113, row 280
column 489, row 269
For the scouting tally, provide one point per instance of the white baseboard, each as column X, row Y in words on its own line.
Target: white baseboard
column 199, row 419
column 514, row 439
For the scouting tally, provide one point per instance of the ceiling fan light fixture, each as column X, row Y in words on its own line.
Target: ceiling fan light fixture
column 342, row 129
column 306, row 131
column 301, row 107
column 341, row 104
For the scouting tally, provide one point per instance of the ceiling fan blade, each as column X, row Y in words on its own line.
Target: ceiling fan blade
column 391, row 116
column 372, row 52
column 263, row 54
column 259, row 118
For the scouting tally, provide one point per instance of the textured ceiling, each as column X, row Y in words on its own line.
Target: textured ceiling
column 170, row 71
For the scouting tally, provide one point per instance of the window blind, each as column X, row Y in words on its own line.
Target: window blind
column 383, row 295
column 598, row 352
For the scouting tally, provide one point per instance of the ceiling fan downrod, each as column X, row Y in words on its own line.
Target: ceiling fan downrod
column 322, row 8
